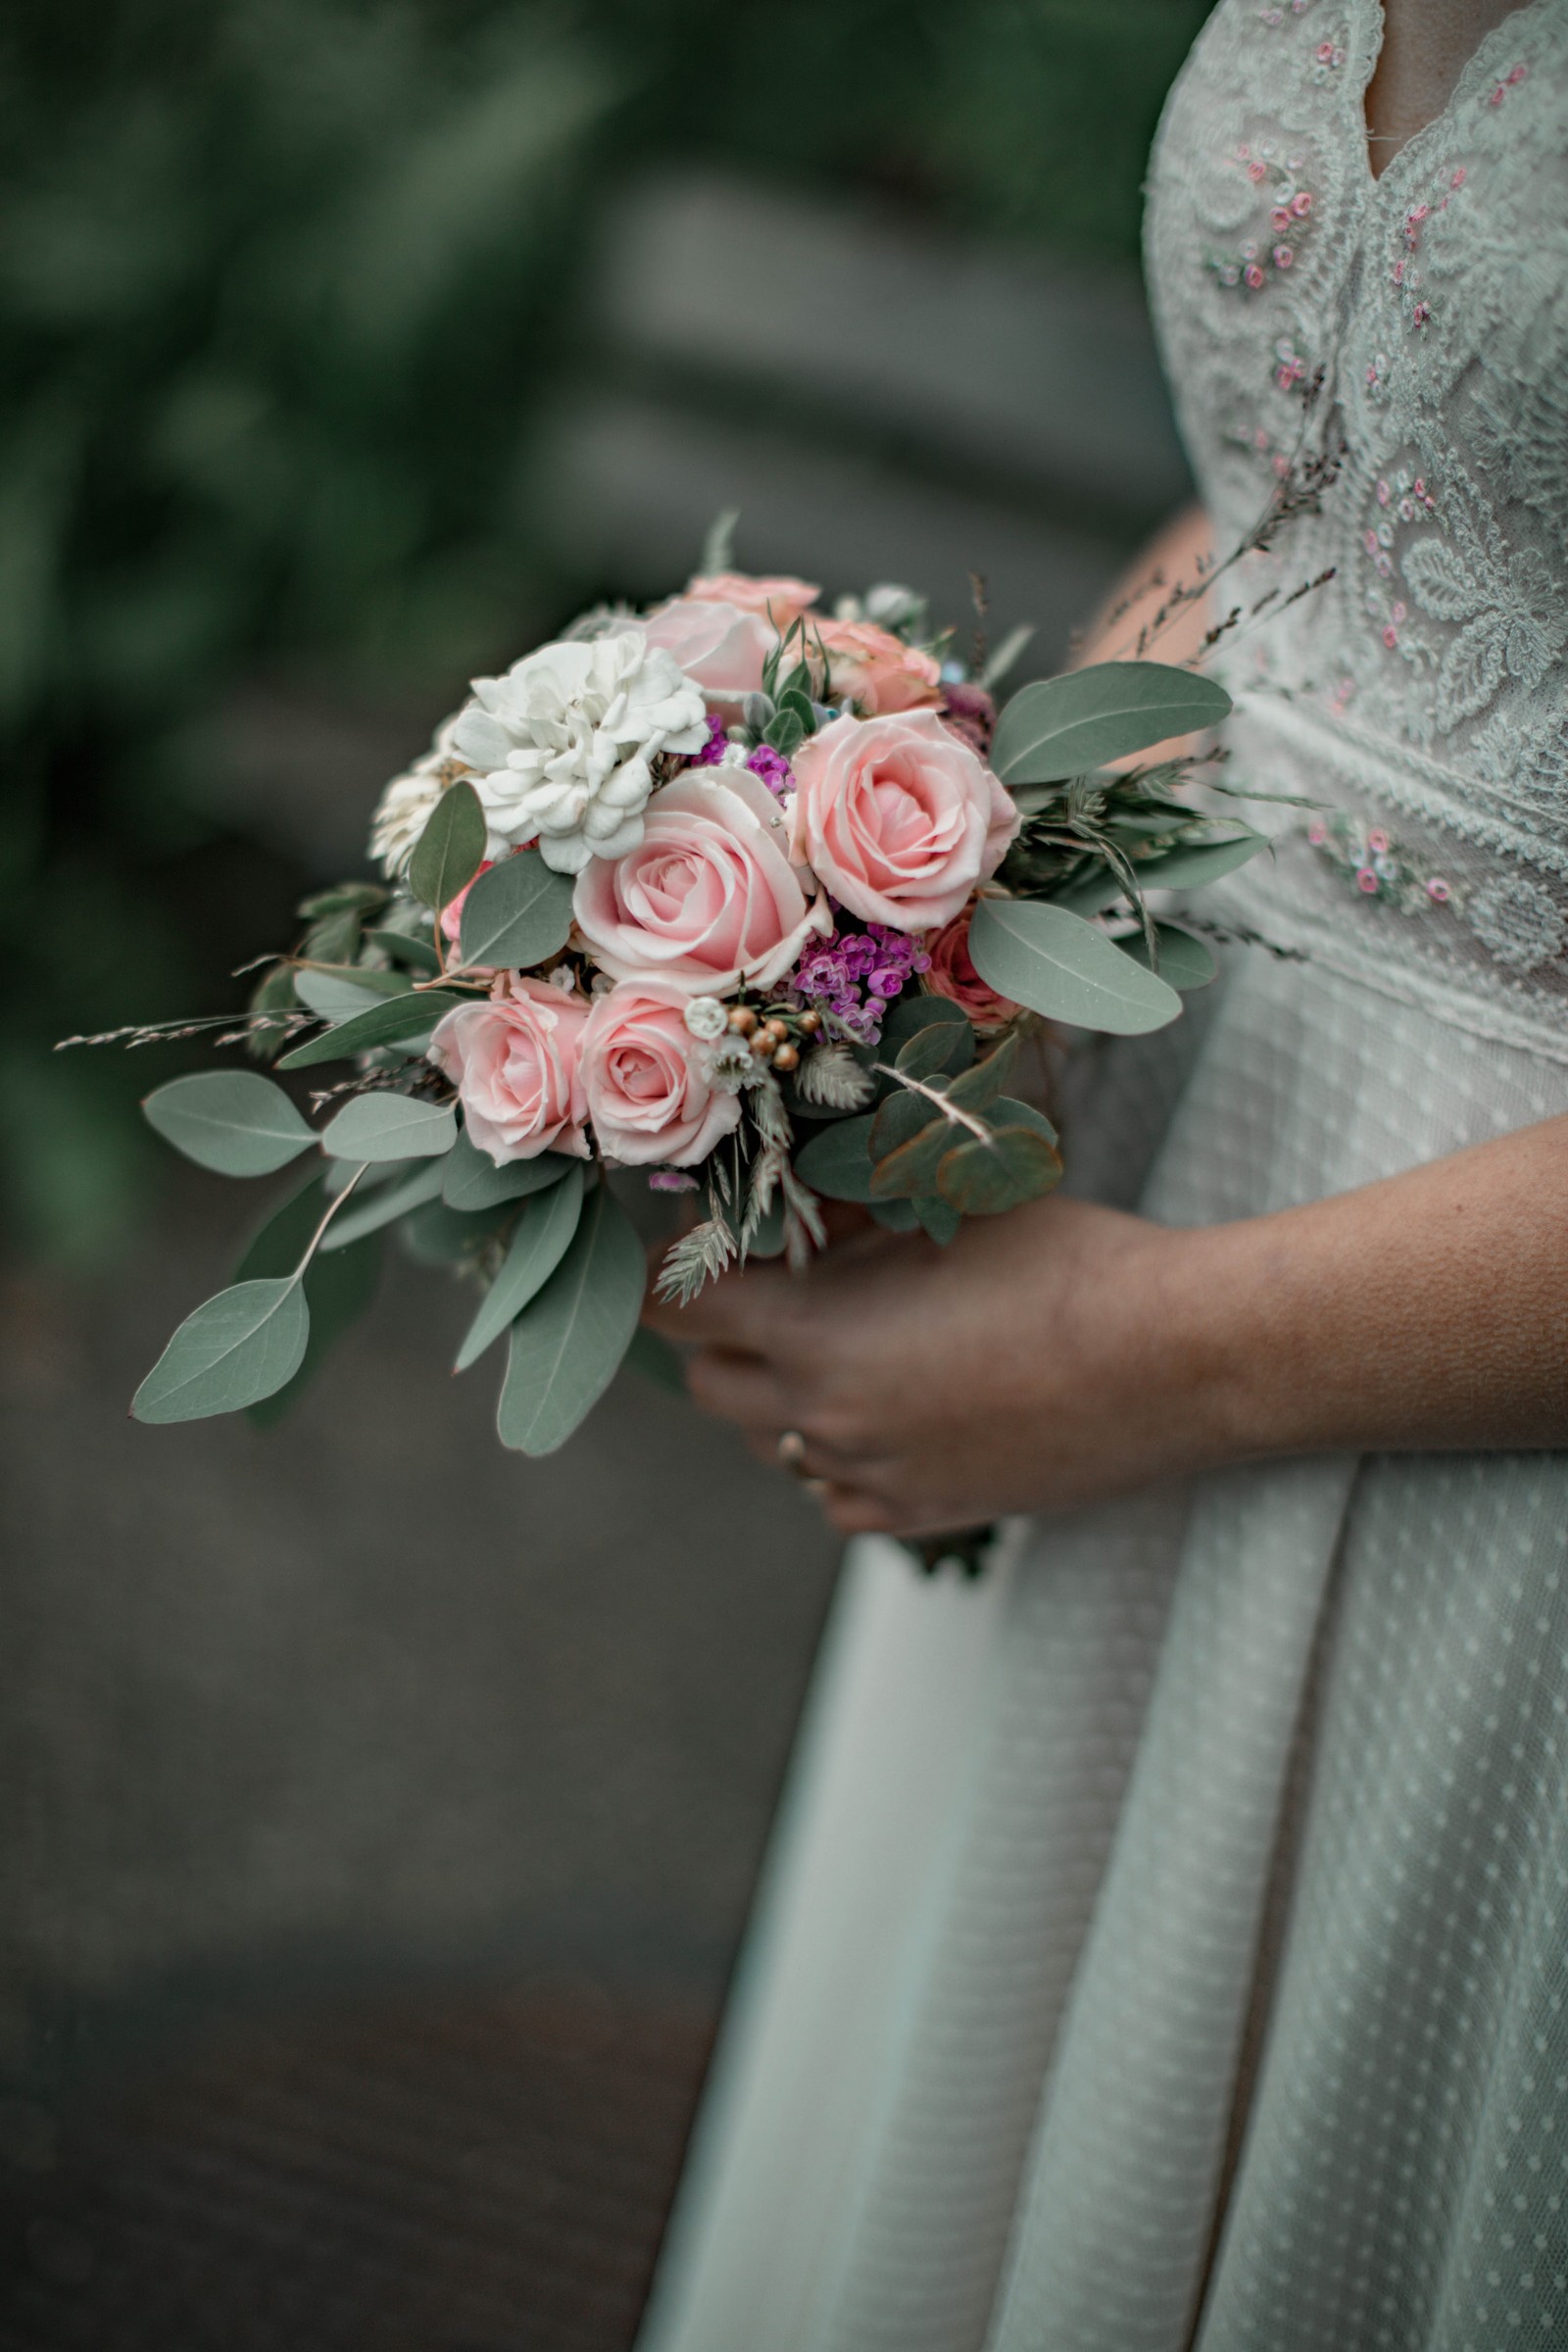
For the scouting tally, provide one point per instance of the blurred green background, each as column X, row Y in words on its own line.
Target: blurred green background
column 382, row 1809
column 299, row 299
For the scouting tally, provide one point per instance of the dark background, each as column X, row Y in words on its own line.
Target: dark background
column 379, row 1809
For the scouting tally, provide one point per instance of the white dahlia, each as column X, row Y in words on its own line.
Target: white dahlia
column 402, row 811
column 562, row 746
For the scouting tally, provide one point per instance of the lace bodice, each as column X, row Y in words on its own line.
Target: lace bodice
column 1420, row 696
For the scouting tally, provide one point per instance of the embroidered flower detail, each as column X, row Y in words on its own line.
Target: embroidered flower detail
column 1288, row 214
column 1511, row 619
column 1518, row 923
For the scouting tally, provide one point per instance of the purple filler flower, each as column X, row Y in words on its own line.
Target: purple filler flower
column 857, row 974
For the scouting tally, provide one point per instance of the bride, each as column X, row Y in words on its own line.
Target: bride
column 1165, row 1941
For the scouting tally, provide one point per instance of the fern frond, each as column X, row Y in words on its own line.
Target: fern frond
column 832, row 1078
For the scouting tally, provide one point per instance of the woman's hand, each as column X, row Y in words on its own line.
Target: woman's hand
column 1064, row 1353
column 1033, row 1364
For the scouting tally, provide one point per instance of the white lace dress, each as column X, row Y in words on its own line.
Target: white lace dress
column 1165, row 1941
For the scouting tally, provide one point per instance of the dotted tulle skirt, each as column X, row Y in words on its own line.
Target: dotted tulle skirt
column 1165, row 1939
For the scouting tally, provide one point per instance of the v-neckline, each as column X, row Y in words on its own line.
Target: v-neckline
column 1473, row 72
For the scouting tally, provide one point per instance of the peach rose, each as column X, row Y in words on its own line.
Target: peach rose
column 950, row 973
column 710, row 898
column 781, row 601
column 875, row 670
column 899, row 818
column 514, row 1061
column 647, row 1097
column 721, row 646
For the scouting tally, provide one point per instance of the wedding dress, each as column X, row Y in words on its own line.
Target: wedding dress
column 1165, row 1940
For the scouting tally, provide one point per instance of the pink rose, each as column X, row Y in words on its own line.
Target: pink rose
column 708, row 899
column 721, row 646
column 899, row 818
column 952, row 974
column 647, row 1097
column 781, row 601
column 514, row 1061
column 875, row 670
column 451, row 911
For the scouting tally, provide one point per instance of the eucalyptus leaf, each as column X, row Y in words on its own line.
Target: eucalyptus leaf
column 433, row 1235
column 1198, row 862
column 938, row 1217
column 941, row 1049
column 232, row 1351
column 517, row 914
column 1185, row 962
column 344, row 897
column 235, row 1122
column 390, row 1126
column 543, row 1233
column 472, row 1179
column 897, row 1216
column 912, row 1169
column 334, row 996
column 1064, row 967
column 337, row 1291
column 1068, row 725
column 384, row 1207
column 567, row 1345
column 974, row 1088
column 418, row 953
column 450, row 851
column 1007, row 1112
column 404, row 1020
column 982, row 1180
column 836, row 1163
column 899, row 1120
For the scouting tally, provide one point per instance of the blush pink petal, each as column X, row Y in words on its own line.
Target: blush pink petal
column 709, row 897
column 646, row 1097
column 876, row 670
column 899, row 818
column 721, row 646
column 781, row 599
column 514, row 1061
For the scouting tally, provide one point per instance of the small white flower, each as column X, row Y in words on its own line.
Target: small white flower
column 564, row 745
column 728, row 1065
column 404, row 809
column 706, row 1017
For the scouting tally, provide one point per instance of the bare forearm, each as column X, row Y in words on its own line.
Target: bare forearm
column 1426, row 1312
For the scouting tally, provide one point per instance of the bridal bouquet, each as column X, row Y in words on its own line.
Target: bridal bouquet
column 733, row 898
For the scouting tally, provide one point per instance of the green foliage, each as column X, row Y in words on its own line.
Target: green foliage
column 399, row 1198
column 568, row 1343
column 337, row 1288
column 404, row 1020
column 472, row 1179
column 539, row 1242
column 1085, row 719
column 451, row 850
column 233, row 1121
column 836, row 1163
column 1185, row 962
column 237, row 1348
column 1064, row 967
column 390, row 1126
column 517, row 914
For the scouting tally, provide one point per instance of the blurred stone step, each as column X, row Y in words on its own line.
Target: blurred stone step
column 1010, row 365
column 452, row 2171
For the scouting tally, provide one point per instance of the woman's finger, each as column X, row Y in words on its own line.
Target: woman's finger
column 736, row 1312
column 737, row 1387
